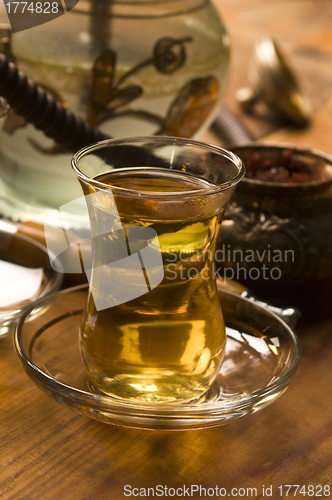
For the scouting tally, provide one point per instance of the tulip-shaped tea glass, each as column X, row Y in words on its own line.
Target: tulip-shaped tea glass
column 152, row 329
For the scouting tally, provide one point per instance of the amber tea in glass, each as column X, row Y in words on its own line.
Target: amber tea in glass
column 152, row 329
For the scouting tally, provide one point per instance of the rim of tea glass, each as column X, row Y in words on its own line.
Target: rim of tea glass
column 166, row 140
column 171, row 411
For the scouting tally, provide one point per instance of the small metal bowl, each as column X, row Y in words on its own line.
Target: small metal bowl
column 276, row 235
column 26, row 274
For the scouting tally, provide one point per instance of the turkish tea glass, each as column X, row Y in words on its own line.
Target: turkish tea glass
column 152, row 329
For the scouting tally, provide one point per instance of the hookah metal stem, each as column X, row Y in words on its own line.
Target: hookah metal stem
column 43, row 111
column 100, row 25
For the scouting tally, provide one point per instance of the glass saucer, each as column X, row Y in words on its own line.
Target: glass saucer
column 26, row 275
column 261, row 358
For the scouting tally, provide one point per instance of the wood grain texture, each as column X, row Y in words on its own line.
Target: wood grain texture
column 48, row 452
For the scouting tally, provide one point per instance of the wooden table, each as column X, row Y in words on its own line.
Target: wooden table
column 48, row 452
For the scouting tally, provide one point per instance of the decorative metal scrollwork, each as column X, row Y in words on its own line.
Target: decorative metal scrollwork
column 267, row 236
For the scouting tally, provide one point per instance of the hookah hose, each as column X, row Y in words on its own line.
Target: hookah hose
column 34, row 104
column 39, row 108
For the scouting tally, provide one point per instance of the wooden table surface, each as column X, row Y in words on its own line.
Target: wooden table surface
column 48, row 452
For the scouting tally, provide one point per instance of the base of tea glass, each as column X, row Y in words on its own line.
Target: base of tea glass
column 261, row 358
column 152, row 330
